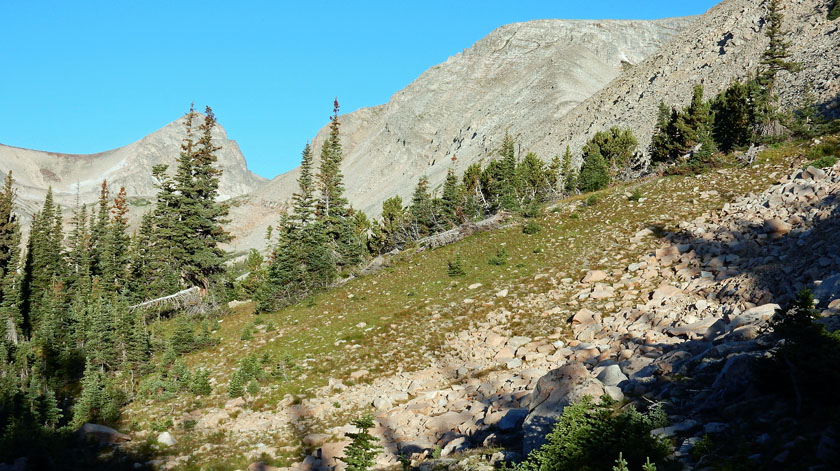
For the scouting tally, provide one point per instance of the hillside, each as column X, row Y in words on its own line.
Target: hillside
column 453, row 364
column 554, row 83
column 520, row 78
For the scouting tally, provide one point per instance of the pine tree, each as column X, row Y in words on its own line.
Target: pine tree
column 89, row 402
column 8, row 224
column 199, row 227
column 360, row 454
column 569, row 173
column 474, row 202
column 332, row 206
column 532, row 177
column 776, row 57
column 395, row 222
column 422, row 213
column 44, row 260
column 616, row 146
column 508, row 198
column 451, row 205
column 78, row 254
column 594, row 172
column 115, row 254
column 10, row 316
column 99, row 231
column 735, row 115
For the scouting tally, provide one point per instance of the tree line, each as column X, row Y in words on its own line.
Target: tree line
column 71, row 348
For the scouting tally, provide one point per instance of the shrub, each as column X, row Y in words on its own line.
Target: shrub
column 247, row 333
column 588, row 435
column 532, row 210
column 835, row 11
column 500, row 258
column 236, row 388
column 574, row 216
column 636, row 195
column 592, row 200
column 200, row 384
column 822, row 162
column 456, row 267
column 531, row 228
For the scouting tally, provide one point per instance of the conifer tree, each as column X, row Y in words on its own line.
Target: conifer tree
column 89, row 402
column 422, row 213
column 332, row 206
column 735, row 115
column 616, row 146
column 10, row 317
column 8, row 224
column 99, row 230
column 508, row 198
column 115, row 254
column 569, row 172
column 451, row 204
column 395, row 222
column 474, row 202
column 360, row 454
column 44, row 260
column 776, row 57
column 78, row 255
column 533, row 179
column 594, row 172
column 200, row 216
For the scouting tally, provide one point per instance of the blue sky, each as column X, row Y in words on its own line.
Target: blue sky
column 91, row 75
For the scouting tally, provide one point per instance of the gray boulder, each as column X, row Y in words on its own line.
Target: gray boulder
column 102, row 434
column 555, row 391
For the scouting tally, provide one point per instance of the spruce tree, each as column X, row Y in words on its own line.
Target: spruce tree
column 360, row 454
column 115, row 254
column 89, row 402
column 99, row 230
column 616, row 146
column 44, row 260
column 423, row 221
column 78, row 254
column 776, row 57
column 735, row 115
column 451, row 204
column 594, row 172
column 395, row 223
column 8, row 224
column 332, row 206
column 569, row 172
column 532, row 177
column 509, row 184
column 474, row 203
column 199, row 227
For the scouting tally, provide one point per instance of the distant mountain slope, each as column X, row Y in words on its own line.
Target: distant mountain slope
column 724, row 44
column 521, row 78
column 130, row 166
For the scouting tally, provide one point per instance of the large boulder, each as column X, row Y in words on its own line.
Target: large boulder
column 102, row 434
column 555, row 391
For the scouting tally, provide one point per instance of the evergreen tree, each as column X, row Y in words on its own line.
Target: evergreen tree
column 533, row 179
column 594, row 172
column 44, row 260
column 99, row 231
column 735, row 115
column 78, row 254
column 474, row 203
column 834, row 13
column 115, row 254
column 776, row 57
column 360, row 454
column 422, row 213
column 200, row 216
column 8, row 224
column 616, row 146
column 332, row 206
column 508, row 181
column 89, row 402
column 395, row 223
column 451, row 204
column 570, row 174
column 10, row 316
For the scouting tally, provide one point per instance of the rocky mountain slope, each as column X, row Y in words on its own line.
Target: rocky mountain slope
column 662, row 298
column 521, row 78
column 130, row 166
column 554, row 83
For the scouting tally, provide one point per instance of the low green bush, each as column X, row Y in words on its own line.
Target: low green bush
column 531, row 228
column 456, row 267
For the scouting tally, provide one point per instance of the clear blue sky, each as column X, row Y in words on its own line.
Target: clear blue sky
column 87, row 76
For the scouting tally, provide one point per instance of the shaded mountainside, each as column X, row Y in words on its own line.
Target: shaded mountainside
column 129, row 166
column 520, row 78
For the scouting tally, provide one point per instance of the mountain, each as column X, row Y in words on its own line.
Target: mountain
column 522, row 78
column 70, row 175
column 553, row 83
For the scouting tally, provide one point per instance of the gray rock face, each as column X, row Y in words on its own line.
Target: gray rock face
column 555, row 391
column 103, row 434
column 521, row 78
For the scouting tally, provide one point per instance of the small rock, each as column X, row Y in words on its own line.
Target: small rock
column 593, row 276
column 166, row 439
